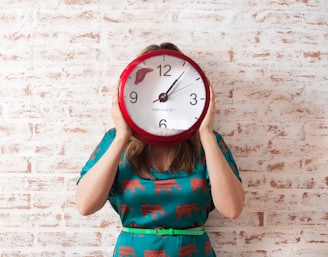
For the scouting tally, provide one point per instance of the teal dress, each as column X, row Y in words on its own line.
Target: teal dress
column 173, row 200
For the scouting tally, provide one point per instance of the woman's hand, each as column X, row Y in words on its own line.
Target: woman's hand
column 122, row 128
column 207, row 124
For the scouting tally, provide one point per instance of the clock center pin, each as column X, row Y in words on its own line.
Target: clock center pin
column 163, row 97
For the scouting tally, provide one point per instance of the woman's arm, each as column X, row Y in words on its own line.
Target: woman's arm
column 227, row 191
column 94, row 187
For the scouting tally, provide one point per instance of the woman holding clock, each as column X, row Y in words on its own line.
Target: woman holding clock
column 162, row 168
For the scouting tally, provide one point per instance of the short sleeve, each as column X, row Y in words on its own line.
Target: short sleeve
column 98, row 152
column 227, row 154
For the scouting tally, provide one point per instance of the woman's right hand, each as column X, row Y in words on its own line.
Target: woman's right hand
column 122, row 128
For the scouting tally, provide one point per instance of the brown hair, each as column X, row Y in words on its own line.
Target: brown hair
column 165, row 45
column 187, row 153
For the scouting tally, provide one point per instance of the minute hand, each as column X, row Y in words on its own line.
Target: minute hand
column 175, row 81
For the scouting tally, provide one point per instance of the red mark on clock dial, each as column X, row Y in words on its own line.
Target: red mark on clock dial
column 141, row 74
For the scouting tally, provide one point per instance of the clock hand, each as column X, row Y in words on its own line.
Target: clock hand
column 173, row 92
column 175, row 81
column 164, row 96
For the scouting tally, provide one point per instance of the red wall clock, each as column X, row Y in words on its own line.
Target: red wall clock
column 163, row 96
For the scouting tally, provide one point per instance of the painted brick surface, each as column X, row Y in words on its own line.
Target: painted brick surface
column 267, row 61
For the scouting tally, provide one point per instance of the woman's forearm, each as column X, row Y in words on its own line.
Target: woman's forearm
column 227, row 191
column 93, row 189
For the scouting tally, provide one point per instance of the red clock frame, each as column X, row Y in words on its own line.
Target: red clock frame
column 142, row 134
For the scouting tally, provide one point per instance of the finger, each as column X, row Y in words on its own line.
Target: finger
column 212, row 94
column 212, row 97
column 116, row 93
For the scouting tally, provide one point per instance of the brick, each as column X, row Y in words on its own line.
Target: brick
column 316, row 236
column 16, row 239
column 68, row 239
column 299, row 218
column 249, row 165
column 12, row 253
column 252, row 182
column 285, row 200
column 45, row 201
column 282, row 237
column 307, row 181
column 71, row 15
column 32, row 183
column 58, row 165
column 78, row 2
column 46, row 219
column 243, row 253
column 17, row 165
column 76, row 252
column 15, row 201
column 223, row 238
column 13, row 131
column 303, row 251
column 275, row 17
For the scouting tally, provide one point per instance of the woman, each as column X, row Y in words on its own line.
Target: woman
column 163, row 194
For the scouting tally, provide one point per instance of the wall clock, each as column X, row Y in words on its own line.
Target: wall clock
column 163, row 96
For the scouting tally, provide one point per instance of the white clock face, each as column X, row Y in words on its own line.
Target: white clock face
column 164, row 95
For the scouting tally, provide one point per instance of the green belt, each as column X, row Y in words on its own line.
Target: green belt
column 198, row 231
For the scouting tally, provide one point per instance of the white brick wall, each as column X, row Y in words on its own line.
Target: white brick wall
column 267, row 61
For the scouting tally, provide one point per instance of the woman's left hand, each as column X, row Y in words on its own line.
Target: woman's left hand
column 207, row 124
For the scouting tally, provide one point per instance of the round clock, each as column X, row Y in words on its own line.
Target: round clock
column 163, row 96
